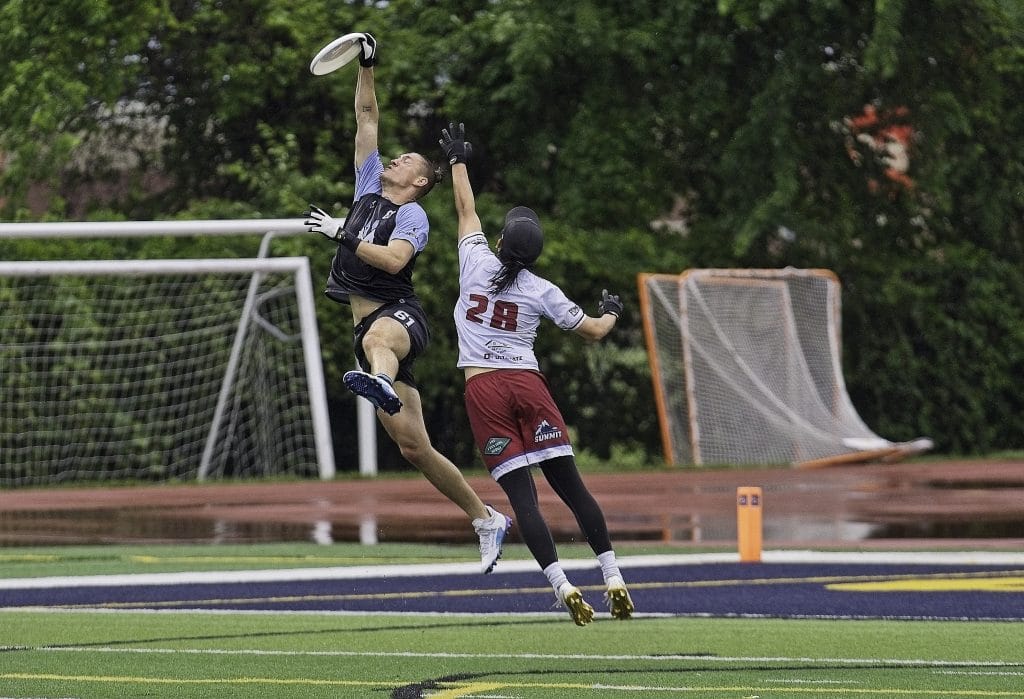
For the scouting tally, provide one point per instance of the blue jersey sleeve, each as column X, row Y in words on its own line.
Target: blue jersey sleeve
column 411, row 224
column 368, row 176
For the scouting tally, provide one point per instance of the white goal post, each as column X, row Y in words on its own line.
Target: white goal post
column 746, row 368
column 159, row 369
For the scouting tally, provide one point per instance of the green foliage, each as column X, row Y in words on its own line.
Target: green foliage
column 941, row 340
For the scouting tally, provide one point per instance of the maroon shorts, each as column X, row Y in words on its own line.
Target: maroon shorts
column 515, row 420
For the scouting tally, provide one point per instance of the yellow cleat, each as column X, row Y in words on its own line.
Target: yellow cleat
column 572, row 599
column 617, row 598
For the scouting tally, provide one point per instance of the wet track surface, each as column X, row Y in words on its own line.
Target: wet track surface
column 975, row 504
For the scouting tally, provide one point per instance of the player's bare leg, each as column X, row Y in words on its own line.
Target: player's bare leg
column 401, row 412
column 384, row 344
column 407, row 430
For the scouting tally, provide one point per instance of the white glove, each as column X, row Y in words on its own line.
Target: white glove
column 319, row 221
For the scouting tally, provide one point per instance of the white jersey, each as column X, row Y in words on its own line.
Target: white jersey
column 498, row 330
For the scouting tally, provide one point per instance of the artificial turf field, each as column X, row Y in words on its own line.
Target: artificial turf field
column 386, row 621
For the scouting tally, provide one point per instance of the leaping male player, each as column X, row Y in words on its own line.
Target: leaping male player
column 378, row 242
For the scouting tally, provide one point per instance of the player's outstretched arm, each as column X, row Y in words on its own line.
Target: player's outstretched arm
column 391, row 257
column 458, row 151
column 367, row 113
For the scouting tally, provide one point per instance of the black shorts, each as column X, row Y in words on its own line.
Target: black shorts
column 410, row 314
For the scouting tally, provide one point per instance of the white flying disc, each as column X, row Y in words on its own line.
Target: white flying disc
column 339, row 52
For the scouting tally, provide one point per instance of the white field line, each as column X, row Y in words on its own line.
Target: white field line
column 596, row 657
column 421, row 569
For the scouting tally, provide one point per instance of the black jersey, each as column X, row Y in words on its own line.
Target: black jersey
column 376, row 220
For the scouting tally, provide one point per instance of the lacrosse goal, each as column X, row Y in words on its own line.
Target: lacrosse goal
column 746, row 369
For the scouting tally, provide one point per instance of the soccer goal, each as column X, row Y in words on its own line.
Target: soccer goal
column 160, row 369
column 746, row 368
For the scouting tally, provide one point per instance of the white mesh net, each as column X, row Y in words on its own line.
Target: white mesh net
column 119, row 375
column 747, row 368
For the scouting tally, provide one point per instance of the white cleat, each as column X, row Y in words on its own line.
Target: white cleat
column 492, row 531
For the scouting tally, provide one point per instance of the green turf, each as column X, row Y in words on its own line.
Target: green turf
column 255, row 656
column 88, row 654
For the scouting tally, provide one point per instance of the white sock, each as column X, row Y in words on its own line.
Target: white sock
column 555, row 575
column 609, row 568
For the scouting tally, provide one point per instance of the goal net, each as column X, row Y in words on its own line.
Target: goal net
column 746, row 367
column 158, row 370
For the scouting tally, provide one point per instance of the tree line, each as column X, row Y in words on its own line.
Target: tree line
column 880, row 140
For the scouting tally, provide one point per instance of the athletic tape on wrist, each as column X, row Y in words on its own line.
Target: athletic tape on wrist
column 349, row 241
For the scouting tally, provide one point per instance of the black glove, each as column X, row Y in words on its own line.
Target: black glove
column 319, row 221
column 610, row 303
column 368, row 56
column 454, row 144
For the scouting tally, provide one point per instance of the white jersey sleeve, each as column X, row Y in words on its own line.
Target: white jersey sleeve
column 498, row 330
column 564, row 312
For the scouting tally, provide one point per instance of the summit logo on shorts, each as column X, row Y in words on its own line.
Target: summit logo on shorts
column 545, row 431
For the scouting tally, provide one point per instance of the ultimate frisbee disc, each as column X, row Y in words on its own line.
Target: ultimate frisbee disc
column 339, row 52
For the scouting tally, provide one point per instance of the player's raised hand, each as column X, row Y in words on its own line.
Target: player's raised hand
column 454, row 144
column 610, row 303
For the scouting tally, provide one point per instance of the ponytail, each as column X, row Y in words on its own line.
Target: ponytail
column 505, row 277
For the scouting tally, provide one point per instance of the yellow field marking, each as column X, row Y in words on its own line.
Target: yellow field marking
column 929, row 585
column 456, row 689
column 827, row 580
column 848, row 583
